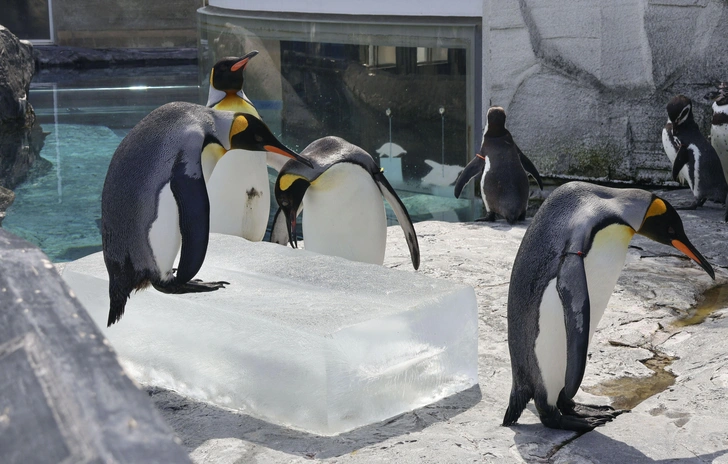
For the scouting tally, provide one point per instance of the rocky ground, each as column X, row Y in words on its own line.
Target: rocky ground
column 654, row 352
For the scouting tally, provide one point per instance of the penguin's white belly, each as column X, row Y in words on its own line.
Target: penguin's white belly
column 683, row 176
column 482, row 183
column 343, row 215
column 719, row 140
column 603, row 265
column 164, row 235
column 239, row 194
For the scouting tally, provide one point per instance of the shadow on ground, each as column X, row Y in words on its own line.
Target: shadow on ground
column 195, row 422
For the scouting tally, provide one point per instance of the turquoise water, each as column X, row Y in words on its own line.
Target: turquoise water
column 58, row 208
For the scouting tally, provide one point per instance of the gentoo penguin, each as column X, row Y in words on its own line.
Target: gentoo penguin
column 503, row 171
column 341, row 198
column 719, row 124
column 691, row 155
column 155, row 199
column 238, row 186
column 563, row 275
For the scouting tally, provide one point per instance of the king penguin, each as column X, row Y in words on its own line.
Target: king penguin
column 155, row 200
column 719, row 127
column 563, row 275
column 238, row 186
column 503, row 171
column 341, row 200
column 692, row 157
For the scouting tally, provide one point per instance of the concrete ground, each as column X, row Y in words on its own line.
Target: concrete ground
column 654, row 352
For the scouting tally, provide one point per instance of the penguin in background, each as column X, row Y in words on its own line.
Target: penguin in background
column 719, row 126
column 238, row 186
column 154, row 200
column 692, row 157
column 562, row 278
column 341, row 200
column 503, row 170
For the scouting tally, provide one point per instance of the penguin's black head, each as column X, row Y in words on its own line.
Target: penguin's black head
column 250, row 133
column 496, row 121
column 289, row 192
column 662, row 224
column 227, row 74
column 679, row 110
column 720, row 95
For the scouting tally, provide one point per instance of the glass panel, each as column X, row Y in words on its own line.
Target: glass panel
column 27, row 19
column 383, row 87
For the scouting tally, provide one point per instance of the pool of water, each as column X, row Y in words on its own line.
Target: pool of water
column 86, row 115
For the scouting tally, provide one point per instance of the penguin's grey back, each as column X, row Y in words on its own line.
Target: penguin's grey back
column 141, row 167
column 506, row 181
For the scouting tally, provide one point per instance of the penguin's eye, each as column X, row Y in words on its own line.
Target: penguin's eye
column 670, row 231
column 284, row 203
column 258, row 138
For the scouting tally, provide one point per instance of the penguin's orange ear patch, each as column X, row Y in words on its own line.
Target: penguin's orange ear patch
column 239, row 125
column 657, row 207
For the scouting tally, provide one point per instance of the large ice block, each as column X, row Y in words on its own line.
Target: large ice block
column 300, row 339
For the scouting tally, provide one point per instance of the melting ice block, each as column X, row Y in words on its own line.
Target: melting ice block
column 301, row 339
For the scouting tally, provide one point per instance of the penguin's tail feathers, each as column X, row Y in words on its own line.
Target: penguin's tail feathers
column 519, row 399
column 116, row 310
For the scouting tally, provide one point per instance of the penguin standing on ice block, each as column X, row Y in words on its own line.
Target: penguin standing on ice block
column 238, row 186
column 503, row 170
column 692, row 157
column 564, row 273
column 154, row 197
column 341, row 197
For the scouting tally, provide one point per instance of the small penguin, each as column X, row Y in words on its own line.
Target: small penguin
column 503, row 171
column 154, row 197
column 238, row 186
column 719, row 124
column 692, row 156
column 563, row 275
column 341, row 197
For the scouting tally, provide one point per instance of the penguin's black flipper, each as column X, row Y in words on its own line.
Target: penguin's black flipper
column 474, row 168
column 681, row 159
column 194, row 221
column 529, row 167
column 402, row 216
column 572, row 288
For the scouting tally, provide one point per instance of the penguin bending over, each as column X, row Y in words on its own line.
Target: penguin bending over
column 154, row 198
column 719, row 126
column 692, row 157
column 238, row 186
column 563, row 275
column 341, row 197
column 503, row 171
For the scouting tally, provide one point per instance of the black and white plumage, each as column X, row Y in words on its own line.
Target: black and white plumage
column 719, row 124
column 341, row 200
column 503, row 171
column 154, row 200
column 693, row 158
column 563, row 276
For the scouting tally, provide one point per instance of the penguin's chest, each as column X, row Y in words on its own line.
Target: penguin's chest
column 602, row 265
column 671, row 152
column 343, row 215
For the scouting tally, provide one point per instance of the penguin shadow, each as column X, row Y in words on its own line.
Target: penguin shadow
column 536, row 443
column 195, row 422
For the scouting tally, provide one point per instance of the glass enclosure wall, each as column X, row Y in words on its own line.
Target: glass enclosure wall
column 403, row 89
column 28, row 19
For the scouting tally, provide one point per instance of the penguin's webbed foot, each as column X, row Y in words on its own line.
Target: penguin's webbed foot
column 193, row 286
column 590, row 410
column 489, row 217
column 573, row 423
column 694, row 205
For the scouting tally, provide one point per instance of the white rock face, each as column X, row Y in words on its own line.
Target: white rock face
column 300, row 339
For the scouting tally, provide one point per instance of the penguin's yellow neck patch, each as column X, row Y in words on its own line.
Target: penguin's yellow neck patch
column 657, row 207
column 239, row 125
column 233, row 102
column 288, row 179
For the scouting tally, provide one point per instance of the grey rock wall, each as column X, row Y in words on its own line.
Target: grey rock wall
column 63, row 395
column 585, row 83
